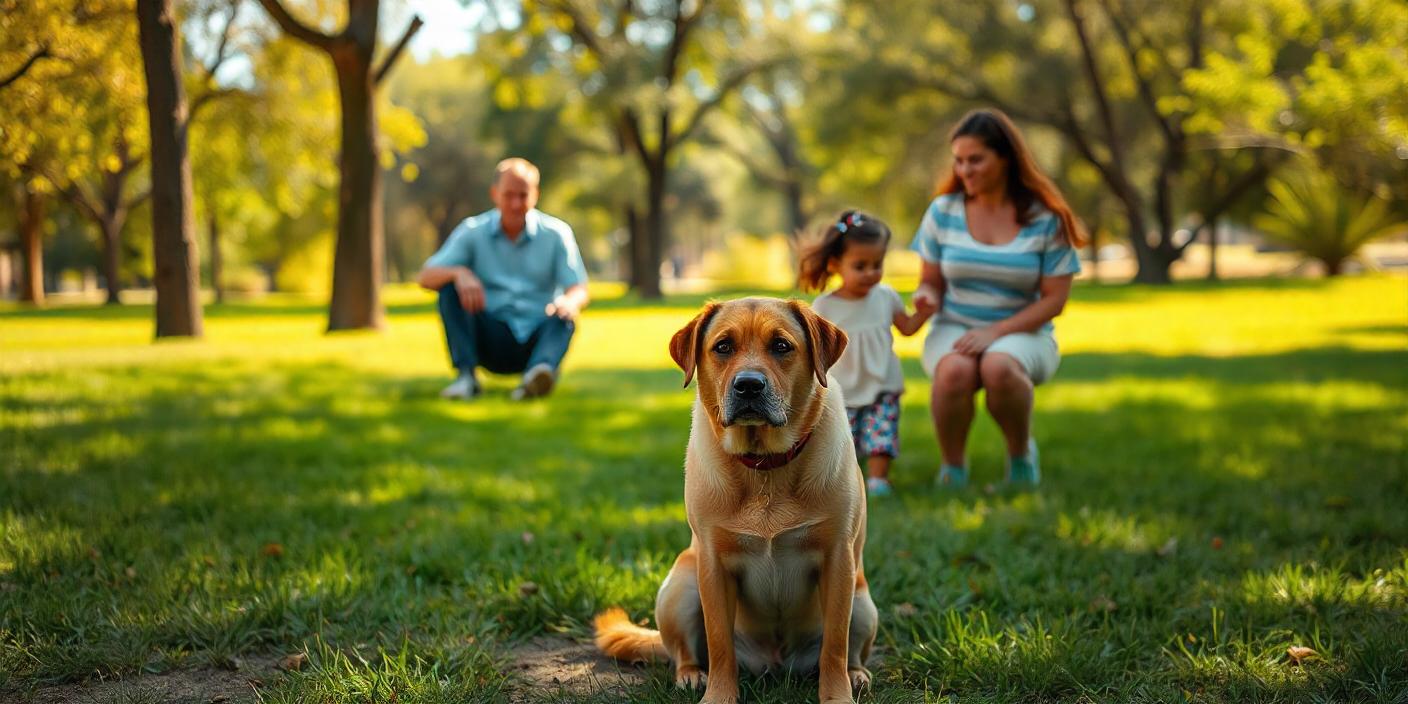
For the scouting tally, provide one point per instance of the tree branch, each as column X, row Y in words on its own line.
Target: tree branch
column 396, row 50
column 1146, row 90
column 581, row 31
column 224, row 43
column 1102, row 101
column 683, row 25
column 71, row 191
column 296, row 29
column 210, row 96
column 727, row 86
column 1230, row 195
column 137, row 199
column 36, row 57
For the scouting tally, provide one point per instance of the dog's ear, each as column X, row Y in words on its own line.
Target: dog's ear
column 684, row 346
column 825, row 341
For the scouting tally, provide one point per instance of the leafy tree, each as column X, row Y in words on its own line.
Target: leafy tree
column 70, row 122
column 648, row 73
column 177, row 272
column 358, row 262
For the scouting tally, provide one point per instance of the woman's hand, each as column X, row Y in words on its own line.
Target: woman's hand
column 976, row 341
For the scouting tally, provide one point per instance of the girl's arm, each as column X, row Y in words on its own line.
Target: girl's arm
column 931, row 285
column 908, row 323
column 927, row 300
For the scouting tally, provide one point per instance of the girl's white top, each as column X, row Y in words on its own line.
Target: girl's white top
column 869, row 366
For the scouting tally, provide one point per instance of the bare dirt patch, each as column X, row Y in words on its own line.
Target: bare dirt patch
column 205, row 685
column 562, row 665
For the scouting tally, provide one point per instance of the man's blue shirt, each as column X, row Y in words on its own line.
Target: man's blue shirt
column 520, row 276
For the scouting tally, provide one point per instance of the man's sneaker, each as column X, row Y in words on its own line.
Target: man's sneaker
column 537, row 382
column 1025, row 471
column 877, row 487
column 463, row 388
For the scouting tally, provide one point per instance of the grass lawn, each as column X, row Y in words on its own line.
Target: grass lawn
column 1226, row 477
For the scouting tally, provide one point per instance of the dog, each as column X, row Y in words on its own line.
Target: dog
column 773, row 576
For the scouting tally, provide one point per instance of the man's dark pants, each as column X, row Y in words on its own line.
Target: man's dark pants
column 481, row 340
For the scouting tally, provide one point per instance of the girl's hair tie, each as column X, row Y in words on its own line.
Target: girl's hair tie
column 851, row 220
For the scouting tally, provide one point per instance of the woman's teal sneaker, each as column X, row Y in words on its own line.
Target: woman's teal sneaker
column 953, row 476
column 1025, row 471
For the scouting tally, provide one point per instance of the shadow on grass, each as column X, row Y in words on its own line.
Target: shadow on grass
column 211, row 511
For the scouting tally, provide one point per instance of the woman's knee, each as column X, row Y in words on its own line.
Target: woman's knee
column 1001, row 372
column 956, row 373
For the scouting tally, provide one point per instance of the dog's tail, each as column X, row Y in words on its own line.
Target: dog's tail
column 618, row 637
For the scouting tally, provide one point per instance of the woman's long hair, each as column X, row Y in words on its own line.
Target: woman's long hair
column 1025, row 181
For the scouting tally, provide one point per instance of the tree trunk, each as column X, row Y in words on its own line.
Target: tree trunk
column 1094, row 246
column 32, row 246
column 794, row 205
column 1212, row 250
column 111, row 226
column 356, row 271
column 176, row 263
column 217, row 260
column 647, row 248
column 1333, row 267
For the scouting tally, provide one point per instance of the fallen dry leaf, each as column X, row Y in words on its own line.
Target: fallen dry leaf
column 294, row 663
column 1103, row 603
column 527, row 589
column 1168, row 548
column 906, row 610
column 131, row 572
column 272, row 550
column 1297, row 653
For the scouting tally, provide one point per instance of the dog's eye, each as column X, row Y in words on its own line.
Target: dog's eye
column 723, row 347
column 780, row 346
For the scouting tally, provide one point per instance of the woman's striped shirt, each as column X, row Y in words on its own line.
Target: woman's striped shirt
column 987, row 283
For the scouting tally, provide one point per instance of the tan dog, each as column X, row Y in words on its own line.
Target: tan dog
column 772, row 577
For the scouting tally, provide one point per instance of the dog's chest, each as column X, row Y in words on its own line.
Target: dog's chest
column 775, row 569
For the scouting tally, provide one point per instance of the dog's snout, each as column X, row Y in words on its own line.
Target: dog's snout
column 749, row 385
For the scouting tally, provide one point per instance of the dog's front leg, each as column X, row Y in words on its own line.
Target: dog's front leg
column 718, row 595
column 838, row 588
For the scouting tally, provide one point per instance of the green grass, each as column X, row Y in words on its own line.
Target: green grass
column 272, row 490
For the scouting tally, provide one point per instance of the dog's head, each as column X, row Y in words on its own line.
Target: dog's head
column 759, row 362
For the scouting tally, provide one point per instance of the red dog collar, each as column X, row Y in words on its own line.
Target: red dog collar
column 775, row 459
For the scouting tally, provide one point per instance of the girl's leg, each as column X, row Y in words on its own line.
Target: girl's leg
column 951, row 402
column 1009, row 399
column 878, row 466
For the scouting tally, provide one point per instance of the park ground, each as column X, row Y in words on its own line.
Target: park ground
column 277, row 514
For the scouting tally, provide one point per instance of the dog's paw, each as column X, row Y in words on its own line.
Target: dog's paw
column 690, row 677
column 860, row 678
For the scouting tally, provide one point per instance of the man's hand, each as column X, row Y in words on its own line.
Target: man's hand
column 565, row 307
column 470, row 290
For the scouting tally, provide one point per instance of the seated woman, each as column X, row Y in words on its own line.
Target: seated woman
column 998, row 245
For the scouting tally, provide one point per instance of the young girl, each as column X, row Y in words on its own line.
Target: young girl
column 868, row 371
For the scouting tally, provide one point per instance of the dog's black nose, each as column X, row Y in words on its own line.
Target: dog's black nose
column 749, row 384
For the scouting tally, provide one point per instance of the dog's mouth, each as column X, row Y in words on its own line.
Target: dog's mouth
column 754, row 414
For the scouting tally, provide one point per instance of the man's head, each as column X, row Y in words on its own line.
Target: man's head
column 515, row 192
